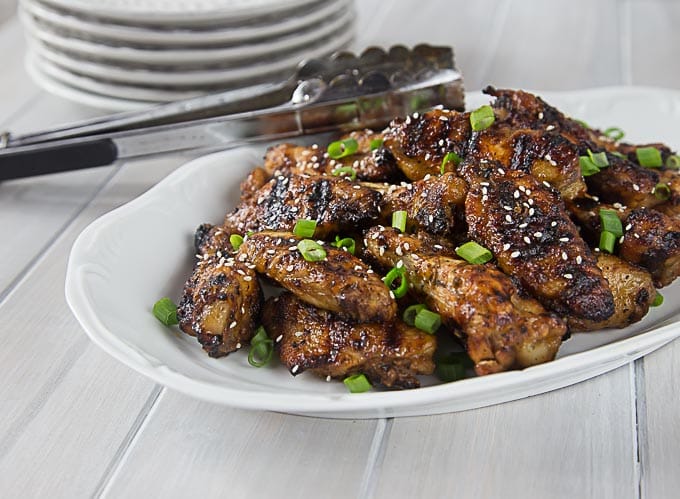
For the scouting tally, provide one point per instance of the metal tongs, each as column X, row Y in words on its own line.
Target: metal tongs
column 340, row 93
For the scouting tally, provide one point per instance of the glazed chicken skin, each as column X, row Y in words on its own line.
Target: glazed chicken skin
column 524, row 224
column 633, row 292
column 340, row 283
column 222, row 298
column 501, row 328
column 390, row 354
column 335, row 203
column 370, row 164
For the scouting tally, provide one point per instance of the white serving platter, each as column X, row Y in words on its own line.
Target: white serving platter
column 127, row 259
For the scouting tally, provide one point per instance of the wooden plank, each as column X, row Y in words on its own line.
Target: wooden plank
column 194, row 449
column 67, row 408
column 658, row 409
column 574, row 442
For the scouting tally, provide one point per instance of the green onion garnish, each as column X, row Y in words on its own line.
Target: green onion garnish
column 427, row 321
column 357, row 383
column 455, row 358
column 399, row 220
column 482, row 118
column 376, row 144
column 304, row 228
column 341, row 148
column 673, row 162
column 397, row 273
column 166, row 311
column 410, row 313
column 649, row 157
column 599, row 159
column 607, row 241
column 611, row 222
column 347, row 243
column 450, row 156
column 311, row 250
column 614, row 133
column 450, row 372
column 588, row 168
column 345, row 171
column 582, row 123
column 261, row 348
column 474, row 253
column 236, row 241
column 658, row 300
column 618, row 154
column 662, row 191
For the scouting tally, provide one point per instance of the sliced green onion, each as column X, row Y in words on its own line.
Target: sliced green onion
column 376, row 144
column 450, row 156
column 342, row 148
column 357, row 383
column 618, row 154
column 662, row 191
column 673, row 162
column 165, row 311
column 261, row 348
column 598, row 158
column 649, row 157
column 427, row 321
column 236, row 241
column 450, row 372
column 410, row 313
column 456, row 358
column 658, row 300
column 345, row 171
column 582, row 123
column 397, row 273
column 614, row 133
column 346, row 243
column 482, row 118
column 304, row 228
column 311, row 250
column 607, row 241
column 588, row 168
column 474, row 253
column 399, row 220
column 611, row 222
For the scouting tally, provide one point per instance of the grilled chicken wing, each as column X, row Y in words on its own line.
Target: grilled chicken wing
column 633, row 292
column 370, row 164
column 502, row 329
column 433, row 204
column 222, row 298
column 307, row 338
column 340, row 283
column 525, row 225
column 335, row 203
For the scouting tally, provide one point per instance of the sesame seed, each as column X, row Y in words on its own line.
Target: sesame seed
column 538, row 234
column 299, row 333
column 636, row 235
column 295, row 369
column 199, row 257
column 486, row 184
column 501, row 171
column 553, row 224
column 564, row 239
column 369, row 271
column 579, row 259
column 506, row 246
column 508, row 208
column 523, row 225
column 485, row 190
column 232, row 325
column 279, row 338
column 547, row 184
column 531, row 201
column 438, row 246
column 400, row 264
column 398, row 251
column 427, row 177
column 540, row 115
column 430, row 218
column 629, row 226
column 238, row 345
column 441, row 142
column 550, row 127
column 636, row 187
column 407, row 246
column 621, row 240
column 516, row 194
column 382, row 250
column 564, row 256
column 527, row 239
column 328, row 378
column 528, row 192
column 240, row 271
column 568, row 276
column 485, row 198
column 247, row 278
column 508, row 218
column 514, row 254
column 392, row 294
column 531, row 212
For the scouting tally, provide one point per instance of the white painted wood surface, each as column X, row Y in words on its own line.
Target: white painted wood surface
column 75, row 423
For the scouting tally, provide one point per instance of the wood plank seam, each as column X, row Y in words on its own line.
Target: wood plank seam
column 641, row 432
column 375, row 459
column 495, row 34
column 128, row 442
column 42, row 252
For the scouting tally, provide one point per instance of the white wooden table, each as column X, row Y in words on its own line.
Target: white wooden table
column 76, row 423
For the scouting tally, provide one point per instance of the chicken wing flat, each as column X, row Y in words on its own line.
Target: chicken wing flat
column 633, row 292
column 335, row 203
column 390, row 354
column 372, row 164
column 525, row 225
column 502, row 329
column 222, row 298
column 433, row 204
column 340, row 283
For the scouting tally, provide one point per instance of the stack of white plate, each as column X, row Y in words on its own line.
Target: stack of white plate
column 125, row 54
